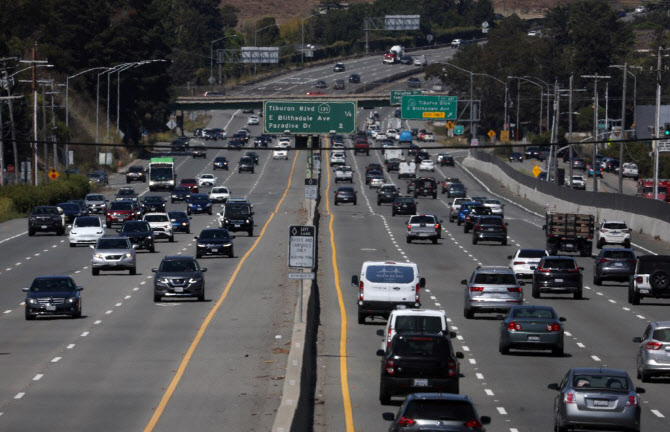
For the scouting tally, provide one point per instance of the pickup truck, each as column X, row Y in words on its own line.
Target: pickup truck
column 577, row 182
column 344, row 173
column 630, row 170
column 569, row 232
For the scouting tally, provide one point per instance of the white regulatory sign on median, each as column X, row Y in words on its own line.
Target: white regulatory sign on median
column 301, row 275
column 301, row 246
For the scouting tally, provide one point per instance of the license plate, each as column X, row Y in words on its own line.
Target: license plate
column 51, row 308
column 215, row 250
column 237, row 225
column 490, row 229
column 533, row 338
column 618, row 264
column 113, row 263
column 420, row 382
column 600, row 402
column 44, row 227
column 179, row 290
column 569, row 245
column 558, row 280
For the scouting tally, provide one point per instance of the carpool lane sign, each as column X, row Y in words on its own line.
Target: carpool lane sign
column 301, row 243
column 309, row 117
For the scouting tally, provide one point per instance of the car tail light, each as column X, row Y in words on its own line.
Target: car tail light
column 451, row 368
column 574, row 270
column 416, row 293
column 405, row 422
column 477, row 227
column 473, row 424
column 476, row 289
column 389, row 365
column 409, row 226
column 653, row 346
column 519, row 262
column 553, row 327
column 604, row 260
column 626, row 231
column 638, row 279
column 388, row 336
column 632, row 401
column 360, row 286
column 467, row 218
column 514, row 326
column 437, row 226
column 569, row 398
column 514, row 289
column 542, row 269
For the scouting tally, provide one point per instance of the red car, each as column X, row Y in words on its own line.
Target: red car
column 315, row 93
column 120, row 211
column 190, row 183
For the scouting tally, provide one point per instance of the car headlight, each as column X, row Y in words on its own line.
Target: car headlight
column 209, row 204
column 201, row 245
column 173, row 220
column 247, row 221
column 73, row 232
column 98, row 232
column 97, row 255
column 31, row 301
column 72, row 300
column 226, row 221
column 227, row 244
column 184, row 223
column 163, row 280
column 194, row 280
column 129, row 255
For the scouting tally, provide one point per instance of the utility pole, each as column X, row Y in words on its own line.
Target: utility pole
column 595, row 79
column 34, row 62
column 657, row 122
column 518, row 103
column 570, row 129
column 622, row 135
column 44, row 131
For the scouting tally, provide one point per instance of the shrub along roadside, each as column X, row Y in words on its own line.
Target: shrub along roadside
column 18, row 200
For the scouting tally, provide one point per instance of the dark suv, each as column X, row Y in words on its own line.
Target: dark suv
column 437, row 412
column 136, row 173
column 418, row 362
column 474, row 213
column 557, row 275
column 179, row 276
column 616, row 264
column 425, row 186
column 153, row 203
column 246, row 164
column 45, row 218
column 53, row 295
column 651, row 278
column 238, row 217
column 490, row 228
column 140, row 234
column 387, row 194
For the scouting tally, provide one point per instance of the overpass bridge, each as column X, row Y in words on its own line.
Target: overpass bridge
column 205, row 103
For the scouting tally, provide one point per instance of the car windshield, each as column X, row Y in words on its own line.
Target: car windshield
column 662, row 335
column 493, row 202
column 135, row 227
column 69, row 206
column 180, row 189
column 154, row 200
column 457, row 186
column 495, row 279
column 419, row 324
column 214, row 234
column 179, row 266
column 95, row 198
column 390, row 274
column 113, row 243
column 45, row 210
column 618, row 253
column 219, row 190
column 94, row 175
column 87, row 222
column 53, row 285
column 199, row 197
column 156, row 218
column 559, row 264
column 439, row 410
column 420, row 346
column 530, row 253
column 178, row 215
column 135, row 169
column 491, row 221
column 123, row 192
column 531, row 312
column 188, row 181
column 615, row 225
column 237, row 210
column 121, row 206
column 604, row 382
column 422, row 220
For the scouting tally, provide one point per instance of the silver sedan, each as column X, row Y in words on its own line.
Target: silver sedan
column 531, row 327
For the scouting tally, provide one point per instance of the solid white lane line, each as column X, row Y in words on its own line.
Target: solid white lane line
column 13, row 237
column 38, row 377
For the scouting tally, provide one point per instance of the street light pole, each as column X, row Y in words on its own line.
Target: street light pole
column 595, row 78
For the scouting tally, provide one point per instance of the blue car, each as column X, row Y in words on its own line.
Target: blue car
column 199, row 203
column 71, row 211
column 465, row 209
column 181, row 222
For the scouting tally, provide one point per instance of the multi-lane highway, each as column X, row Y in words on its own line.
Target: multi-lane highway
column 512, row 389
column 129, row 363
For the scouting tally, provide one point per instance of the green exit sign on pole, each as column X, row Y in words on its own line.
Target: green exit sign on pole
column 458, row 130
column 429, row 107
column 396, row 95
column 309, row 117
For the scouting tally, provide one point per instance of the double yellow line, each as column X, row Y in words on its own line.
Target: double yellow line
column 201, row 332
column 344, row 377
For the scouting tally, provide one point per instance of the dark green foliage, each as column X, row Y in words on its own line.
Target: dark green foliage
column 24, row 197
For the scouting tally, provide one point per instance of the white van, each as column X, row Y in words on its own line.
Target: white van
column 393, row 153
column 385, row 285
column 401, row 320
column 407, row 170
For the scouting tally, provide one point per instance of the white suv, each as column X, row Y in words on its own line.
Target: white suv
column 161, row 225
column 429, row 321
column 613, row 232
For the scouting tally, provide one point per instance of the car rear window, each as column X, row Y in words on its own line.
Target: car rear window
column 618, row 254
column 495, row 279
column 134, row 227
column 614, row 225
column 608, row 382
column 491, row 221
column 120, row 206
column 420, row 346
column 662, row 335
column 532, row 253
column 562, row 264
column 390, row 274
column 444, row 410
column 422, row 219
column 419, row 324
column 107, row 243
column 532, row 313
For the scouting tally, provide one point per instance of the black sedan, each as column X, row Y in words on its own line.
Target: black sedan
column 345, row 194
column 321, row 84
column 557, row 274
column 252, row 155
column 140, row 234
column 354, row 78
column 516, row 157
column 153, row 204
column 235, row 144
column 53, row 295
column 404, row 205
column 71, row 211
column 180, row 193
column 215, row 241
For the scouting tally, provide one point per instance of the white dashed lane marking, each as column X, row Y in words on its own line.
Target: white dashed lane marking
column 70, row 346
column 501, row 410
column 595, row 358
column 479, row 376
column 657, row 413
column 84, row 334
column 56, row 359
column 38, row 377
column 19, row 395
column 488, row 392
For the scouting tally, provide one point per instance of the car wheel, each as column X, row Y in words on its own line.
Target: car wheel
column 73, row 245
column 188, row 213
column 355, row 202
column 644, row 376
column 201, row 297
column 558, row 428
column 409, row 240
column 31, row 233
column 231, row 254
column 504, row 242
column 435, row 195
column 633, row 296
column 384, row 397
column 209, row 212
column 503, row 349
column 392, row 213
column 626, row 244
column 467, row 313
column 578, row 295
column 536, row 291
column 29, row 316
column 171, row 239
column 435, row 241
column 379, row 203
column 466, row 229
column 557, row 352
column 133, row 271
column 659, row 280
column 474, row 240
column 157, row 298
column 152, row 249
column 597, row 281
column 458, row 222
column 361, row 318
column 95, row 271
column 76, row 314
column 251, row 232
column 600, row 243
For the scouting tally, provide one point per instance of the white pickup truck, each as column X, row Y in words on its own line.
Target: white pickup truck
column 344, row 173
column 577, row 182
column 630, row 170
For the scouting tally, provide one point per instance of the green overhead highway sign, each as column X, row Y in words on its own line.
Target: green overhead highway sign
column 429, row 107
column 309, row 117
column 396, row 95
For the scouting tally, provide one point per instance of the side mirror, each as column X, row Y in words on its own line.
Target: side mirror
column 452, row 334
column 506, row 224
column 204, row 269
column 581, row 268
column 544, row 227
column 388, row 416
column 69, row 226
column 25, row 289
column 232, row 236
column 80, row 288
column 562, row 319
column 380, row 332
column 118, row 230
column 153, row 270
column 354, row 281
column 134, row 246
column 640, row 390
column 510, row 256
column 196, row 237
column 500, row 316
column 459, row 355
column 380, row 353
column 485, row 420
column 422, row 282
column 464, row 282
column 635, row 339
column 553, row 386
